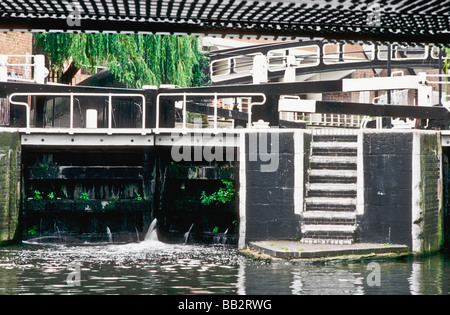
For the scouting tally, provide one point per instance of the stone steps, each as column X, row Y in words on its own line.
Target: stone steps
column 330, row 204
column 331, row 189
column 324, row 176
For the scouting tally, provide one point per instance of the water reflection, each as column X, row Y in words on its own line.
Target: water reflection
column 153, row 267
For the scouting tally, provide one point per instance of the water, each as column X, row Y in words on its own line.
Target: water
column 152, row 267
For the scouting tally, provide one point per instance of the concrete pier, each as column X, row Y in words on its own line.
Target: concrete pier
column 10, row 186
column 323, row 252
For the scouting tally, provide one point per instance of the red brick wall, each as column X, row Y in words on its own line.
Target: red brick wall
column 16, row 43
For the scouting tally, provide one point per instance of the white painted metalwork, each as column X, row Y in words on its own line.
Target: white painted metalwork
column 295, row 104
column 214, row 96
column 72, row 96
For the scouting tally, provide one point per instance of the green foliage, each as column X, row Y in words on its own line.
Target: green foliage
column 38, row 195
column 134, row 59
column 235, row 222
column 84, row 196
column 138, row 197
column 224, row 195
column 32, row 230
column 51, row 196
column 447, row 61
column 216, row 230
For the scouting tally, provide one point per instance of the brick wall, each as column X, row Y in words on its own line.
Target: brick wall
column 16, row 43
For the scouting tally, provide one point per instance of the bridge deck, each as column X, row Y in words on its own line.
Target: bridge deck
column 81, row 137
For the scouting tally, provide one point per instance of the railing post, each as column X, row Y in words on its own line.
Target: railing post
column 109, row 114
column 158, row 99
column 3, row 68
column 144, row 114
column 71, row 114
column 260, row 69
column 215, row 112
column 184, row 112
column 40, row 71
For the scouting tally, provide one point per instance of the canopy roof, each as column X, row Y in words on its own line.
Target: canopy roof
column 424, row 21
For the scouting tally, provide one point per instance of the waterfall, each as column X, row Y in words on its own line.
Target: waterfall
column 108, row 231
column 224, row 238
column 58, row 231
column 152, row 234
column 137, row 234
column 186, row 235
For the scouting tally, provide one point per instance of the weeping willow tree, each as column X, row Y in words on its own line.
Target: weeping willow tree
column 136, row 60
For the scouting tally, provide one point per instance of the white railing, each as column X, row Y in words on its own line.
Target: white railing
column 40, row 71
column 185, row 96
column 72, row 96
column 438, row 76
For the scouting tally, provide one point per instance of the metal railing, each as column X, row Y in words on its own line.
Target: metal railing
column 308, row 55
column 72, row 97
column 215, row 96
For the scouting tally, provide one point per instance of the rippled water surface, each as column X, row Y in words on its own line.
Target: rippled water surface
column 158, row 268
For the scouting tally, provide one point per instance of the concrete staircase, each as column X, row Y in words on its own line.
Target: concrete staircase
column 330, row 203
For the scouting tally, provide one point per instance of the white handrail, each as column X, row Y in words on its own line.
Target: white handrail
column 439, row 76
column 72, row 96
column 27, row 111
column 215, row 96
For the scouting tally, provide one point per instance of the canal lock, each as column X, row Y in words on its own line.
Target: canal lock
column 109, row 195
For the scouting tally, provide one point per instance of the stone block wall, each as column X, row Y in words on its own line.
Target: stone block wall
column 402, row 194
column 10, row 183
column 387, row 177
column 271, row 185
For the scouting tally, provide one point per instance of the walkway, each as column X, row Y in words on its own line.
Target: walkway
column 323, row 252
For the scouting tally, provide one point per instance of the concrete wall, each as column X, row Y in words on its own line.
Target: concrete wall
column 428, row 200
column 10, row 182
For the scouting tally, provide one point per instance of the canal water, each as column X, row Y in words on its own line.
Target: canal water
column 152, row 267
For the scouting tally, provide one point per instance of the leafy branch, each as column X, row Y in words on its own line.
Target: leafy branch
column 223, row 195
column 134, row 59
